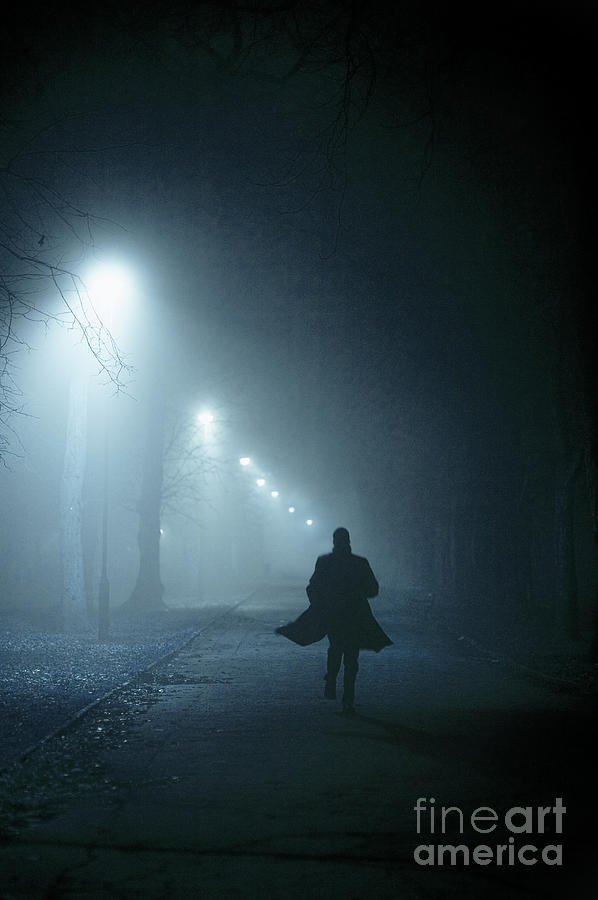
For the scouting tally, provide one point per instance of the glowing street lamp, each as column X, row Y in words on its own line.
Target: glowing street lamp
column 205, row 418
column 274, row 494
column 260, row 482
column 108, row 285
column 309, row 521
column 245, row 460
column 291, row 509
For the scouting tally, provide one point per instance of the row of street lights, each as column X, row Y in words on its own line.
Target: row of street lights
column 245, row 461
column 207, row 420
column 107, row 286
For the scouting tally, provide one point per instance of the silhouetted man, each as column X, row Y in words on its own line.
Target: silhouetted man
column 338, row 593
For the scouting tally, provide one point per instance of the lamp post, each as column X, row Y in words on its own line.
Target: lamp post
column 108, row 285
column 104, row 587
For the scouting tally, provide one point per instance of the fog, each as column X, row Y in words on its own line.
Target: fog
column 386, row 316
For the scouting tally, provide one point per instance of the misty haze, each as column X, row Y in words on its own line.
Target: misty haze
column 298, row 296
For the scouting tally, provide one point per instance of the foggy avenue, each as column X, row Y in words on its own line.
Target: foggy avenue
column 298, row 450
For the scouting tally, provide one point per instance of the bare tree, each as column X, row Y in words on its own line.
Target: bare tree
column 44, row 242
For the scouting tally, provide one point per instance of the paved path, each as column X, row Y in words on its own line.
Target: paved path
column 227, row 775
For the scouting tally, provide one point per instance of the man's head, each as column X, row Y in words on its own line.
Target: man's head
column 341, row 539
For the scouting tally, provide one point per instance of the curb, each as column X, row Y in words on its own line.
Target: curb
column 133, row 679
column 81, row 713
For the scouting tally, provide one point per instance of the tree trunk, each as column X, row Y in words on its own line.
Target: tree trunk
column 74, row 600
column 148, row 591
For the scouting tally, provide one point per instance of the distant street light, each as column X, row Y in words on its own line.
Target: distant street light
column 245, row 460
column 291, row 509
column 205, row 418
column 260, row 482
column 274, row 494
column 309, row 522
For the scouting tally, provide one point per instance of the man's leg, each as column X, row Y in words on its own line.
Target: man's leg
column 335, row 655
column 350, row 674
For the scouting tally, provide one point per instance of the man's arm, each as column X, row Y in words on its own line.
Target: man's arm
column 315, row 587
column 370, row 585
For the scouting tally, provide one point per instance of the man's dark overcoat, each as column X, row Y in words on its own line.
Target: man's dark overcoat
column 338, row 594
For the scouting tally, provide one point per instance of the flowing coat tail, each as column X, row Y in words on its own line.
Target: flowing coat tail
column 312, row 625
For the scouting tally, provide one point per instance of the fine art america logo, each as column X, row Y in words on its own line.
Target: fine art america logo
column 520, row 839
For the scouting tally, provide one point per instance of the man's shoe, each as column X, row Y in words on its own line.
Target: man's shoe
column 329, row 688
